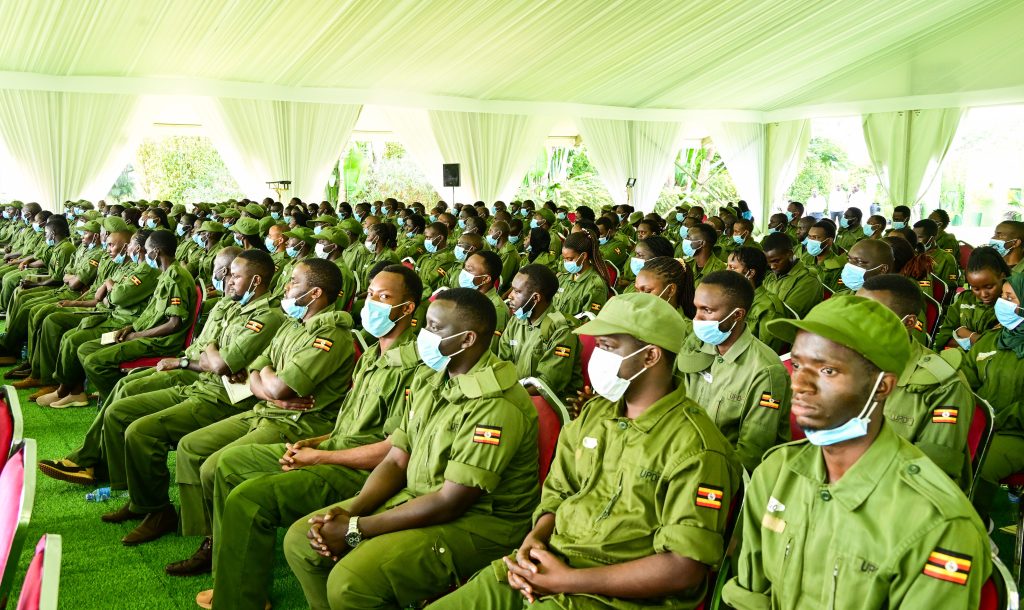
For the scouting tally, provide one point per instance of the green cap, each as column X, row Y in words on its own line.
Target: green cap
column 351, row 225
column 177, row 209
column 302, row 233
column 83, row 205
column 325, row 220
column 265, row 223
column 636, row 217
column 202, row 207
column 255, row 210
column 334, row 236
column 644, row 316
column 92, row 226
column 246, row 226
column 14, row 204
column 210, row 226
column 115, row 224
column 547, row 215
column 863, row 325
column 229, row 213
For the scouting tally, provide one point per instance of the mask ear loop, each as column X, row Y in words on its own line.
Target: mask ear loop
column 399, row 305
column 624, row 358
column 449, row 357
column 869, row 407
column 735, row 309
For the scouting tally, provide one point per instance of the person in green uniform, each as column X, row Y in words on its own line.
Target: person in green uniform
column 410, row 245
column 32, row 263
column 58, row 253
column 259, row 488
column 583, row 284
column 538, row 338
column 481, row 272
column 461, row 476
column 497, row 240
column 791, row 281
column 739, row 380
column 794, row 212
column 653, row 247
column 614, row 249
column 932, row 405
column 1008, row 240
column 301, row 244
column 380, row 244
column 803, row 228
column 972, row 311
column 330, row 243
column 742, row 236
column 821, row 256
column 874, row 228
column 752, row 264
column 593, row 546
column 850, row 231
column 854, row 514
column 438, row 264
column 901, row 217
column 246, row 234
column 320, row 223
column 698, row 249
column 208, row 238
column 866, row 259
column 946, row 240
column 945, row 265
column 276, row 242
column 538, row 251
column 669, row 279
column 312, row 355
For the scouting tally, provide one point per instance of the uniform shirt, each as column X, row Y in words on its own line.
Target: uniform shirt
column 948, row 243
column 616, row 252
column 281, row 279
column 58, row 259
column 547, row 350
column 585, row 291
column 623, row 489
column 829, row 270
column 478, row 429
column 848, row 237
column 509, row 264
column 714, row 264
column 379, row 400
column 435, row 269
column 766, row 307
column 174, row 296
column 387, row 254
column 411, row 247
column 134, row 283
column 548, row 260
column 893, row 532
column 966, row 310
column 932, row 407
column 348, row 283
column 313, row 358
column 502, row 315
column 745, row 392
column 355, row 255
column 798, row 288
column 995, row 375
column 945, row 267
column 85, row 265
column 204, row 263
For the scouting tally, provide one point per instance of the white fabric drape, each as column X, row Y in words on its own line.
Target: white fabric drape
column 907, row 149
column 787, row 145
column 276, row 140
column 644, row 150
column 64, row 142
column 412, row 126
column 494, row 150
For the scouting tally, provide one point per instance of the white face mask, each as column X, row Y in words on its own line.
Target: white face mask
column 322, row 251
column 604, row 373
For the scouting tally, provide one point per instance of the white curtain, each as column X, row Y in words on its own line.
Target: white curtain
column 266, row 140
column 907, row 149
column 65, row 143
column 644, row 150
column 412, row 126
column 494, row 150
column 787, row 145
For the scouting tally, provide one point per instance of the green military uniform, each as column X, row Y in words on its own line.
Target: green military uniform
column 314, row 358
column 579, row 292
column 547, row 350
column 55, row 259
column 502, row 314
column 363, row 273
column 945, row 267
column 966, row 310
column 766, row 307
column 846, row 238
column 411, row 247
column 713, row 264
column 552, row 262
column 730, row 245
column 829, row 270
column 616, row 252
column 435, row 269
column 948, row 243
column 509, row 265
column 479, row 430
column 253, row 497
column 745, row 392
column 799, row 288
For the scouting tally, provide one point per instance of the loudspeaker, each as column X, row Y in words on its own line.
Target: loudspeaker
column 451, row 174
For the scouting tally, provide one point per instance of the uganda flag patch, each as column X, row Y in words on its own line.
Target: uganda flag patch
column 322, row 344
column 595, row 307
column 413, row 323
column 563, row 351
column 945, row 415
column 175, row 301
column 925, row 283
column 947, row 565
column 839, row 282
column 94, row 262
column 919, row 326
column 408, row 394
column 952, row 276
column 768, row 401
column 135, row 280
column 442, row 272
column 709, row 496
column 254, row 326
column 488, row 435
column 497, row 333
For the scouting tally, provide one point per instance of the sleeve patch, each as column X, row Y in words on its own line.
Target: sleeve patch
column 175, row 301
column 408, row 394
column 952, row 276
column 135, row 280
column 441, row 272
column 254, row 325
column 925, row 283
column 945, row 415
column 709, row 496
column 948, row 566
column 413, row 323
column 768, row 401
column 919, row 326
column 94, row 262
column 322, row 344
column 595, row 307
column 497, row 333
column 563, row 351
column 487, row 435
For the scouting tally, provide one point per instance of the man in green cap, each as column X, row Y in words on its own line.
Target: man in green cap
column 259, row 488
column 739, row 380
column 641, row 535
column 246, row 234
column 321, row 222
column 209, row 238
column 300, row 244
column 932, row 405
column 52, row 258
column 454, row 492
column 254, row 210
column 790, row 280
column 854, row 514
column 330, row 244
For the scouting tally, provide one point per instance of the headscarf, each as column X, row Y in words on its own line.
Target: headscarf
column 1013, row 340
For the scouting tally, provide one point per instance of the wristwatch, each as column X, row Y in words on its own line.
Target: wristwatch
column 183, row 364
column 353, row 536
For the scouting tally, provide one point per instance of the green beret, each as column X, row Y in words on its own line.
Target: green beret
column 255, row 210
column 644, row 316
column 92, row 226
column 92, row 215
column 636, row 217
column 302, row 233
column 115, row 224
column 210, row 226
column 863, row 325
column 334, row 236
column 325, row 220
column 246, row 226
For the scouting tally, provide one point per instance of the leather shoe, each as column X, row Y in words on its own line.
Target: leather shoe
column 122, row 514
column 155, row 525
column 201, row 562
column 29, row 382
column 43, row 391
column 68, row 471
column 18, row 373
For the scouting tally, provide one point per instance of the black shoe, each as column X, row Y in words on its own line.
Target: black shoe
column 155, row 525
column 68, row 471
column 201, row 562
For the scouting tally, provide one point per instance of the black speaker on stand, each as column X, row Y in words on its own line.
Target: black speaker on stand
column 452, row 177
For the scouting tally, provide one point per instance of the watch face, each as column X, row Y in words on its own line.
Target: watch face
column 353, row 539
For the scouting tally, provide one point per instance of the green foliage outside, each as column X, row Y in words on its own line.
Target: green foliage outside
column 567, row 177
column 374, row 171
column 699, row 176
column 124, row 186
column 180, row 169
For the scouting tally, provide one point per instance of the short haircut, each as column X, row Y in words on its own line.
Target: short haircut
column 440, row 227
column 905, row 291
column 943, row 216
column 986, row 257
column 707, row 233
column 828, row 226
column 417, row 221
column 903, row 210
column 473, row 311
column 164, row 240
column 798, row 206
column 540, row 241
column 754, row 260
column 141, row 236
column 736, row 287
column 658, row 245
column 411, row 282
column 605, row 222
column 1016, row 227
column 325, row 275
column 261, row 264
column 585, row 212
column 931, row 228
column 377, row 268
column 492, row 263
column 743, row 222
column 778, row 242
column 902, row 252
column 855, row 212
column 542, row 280
column 478, row 223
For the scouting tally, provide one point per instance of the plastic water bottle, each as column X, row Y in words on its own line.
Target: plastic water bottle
column 100, row 495
column 24, row 352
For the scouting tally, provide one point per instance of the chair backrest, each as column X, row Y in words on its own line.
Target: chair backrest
column 789, row 310
column 933, row 315
column 549, row 426
column 11, row 423
column 42, row 579
column 965, row 253
column 16, row 481
column 795, row 432
column 613, row 273
column 939, row 288
column 195, row 315
column 979, row 436
column 826, row 292
column 999, row 592
column 409, row 263
column 587, row 344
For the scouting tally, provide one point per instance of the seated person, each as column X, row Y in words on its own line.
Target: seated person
column 461, row 476
column 752, row 264
column 537, row 248
column 789, row 279
column 947, row 241
column 945, row 266
column 698, row 249
column 874, row 228
column 593, row 546
column 480, row 272
column 972, row 311
column 854, row 514
column 821, row 256
column 803, row 229
column 866, row 260
column 669, row 279
column 850, row 230
column 655, row 246
column 497, row 240
column 583, row 283
column 738, row 380
column 1008, row 240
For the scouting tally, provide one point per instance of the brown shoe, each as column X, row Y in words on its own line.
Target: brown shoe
column 122, row 514
column 68, row 471
column 18, row 373
column 154, row 526
column 29, row 383
column 43, row 391
column 201, row 562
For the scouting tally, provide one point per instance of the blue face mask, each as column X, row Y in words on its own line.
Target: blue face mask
column 789, row 216
column 739, row 239
column 460, row 254
column 376, row 317
column 868, row 231
column 152, row 262
column 1006, row 313
column 534, row 224
column 7, row 215
column 680, row 216
column 683, row 232
column 844, row 222
column 410, row 234
column 853, row 276
column 524, row 213
column 428, row 345
column 238, row 240
column 179, row 230
column 462, row 223
column 964, row 344
column 358, row 216
column 37, row 228
column 492, row 241
column 91, row 246
column 375, row 211
column 1000, row 246
column 854, row 428
column 602, row 241
column 748, row 215
column 708, row 330
column 151, row 224
column 28, row 221
column 636, row 265
column 513, row 239
column 249, row 293
column 688, row 250
column 430, row 245
column 275, row 215
column 560, row 216
column 228, row 224
column 218, row 284
column 51, row 242
column 317, row 230
column 433, row 218
column 896, row 224
column 521, row 314
column 814, row 247
column 293, row 309
column 774, row 230
column 135, row 257
column 467, row 279
column 269, row 243
column 292, row 252
column 573, row 266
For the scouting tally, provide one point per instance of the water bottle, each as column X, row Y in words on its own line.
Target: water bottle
column 100, row 495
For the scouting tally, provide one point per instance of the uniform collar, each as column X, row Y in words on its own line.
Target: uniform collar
column 649, row 419
column 398, row 355
column 737, row 349
column 861, row 479
column 488, row 377
column 256, row 303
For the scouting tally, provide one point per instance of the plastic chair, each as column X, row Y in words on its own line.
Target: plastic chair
column 587, row 345
column 721, row 575
column 933, row 315
column 152, row 360
column 999, row 592
column 613, row 272
column 549, row 395
column 409, row 263
column 42, row 579
column 965, row 253
column 979, row 437
column 16, row 481
column 940, row 290
column 548, row 429
column 795, row 432
column 791, row 311
column 11, row 423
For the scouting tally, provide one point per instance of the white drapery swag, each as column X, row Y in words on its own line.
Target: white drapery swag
column 644, row 150
column 907, row 149
column 68, row 144
column 494, row 150
column 787, row 145
column 265, row 140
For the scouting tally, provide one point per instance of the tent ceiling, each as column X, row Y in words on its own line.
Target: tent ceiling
column 760, row 55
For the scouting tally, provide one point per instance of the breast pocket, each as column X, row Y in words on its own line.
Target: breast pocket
column 854, row 582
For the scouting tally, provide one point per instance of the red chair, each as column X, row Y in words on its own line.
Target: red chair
column 42, row 579
column 721, row 575
column 1016, row 484
column 826, row 292
column 965, row 253
column 613, row 273
column 795, row 432
column 11, row 423
column 979, row 437
column 16, row 481
column 409, row 263
column 548, row 429
column 999, row 592
column 587, row 345
column 146, row 361
column 360, row 347
column 939, row 289
column 932, row 315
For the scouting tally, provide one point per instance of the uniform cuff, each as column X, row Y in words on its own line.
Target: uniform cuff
column 400, row 440
column 688, row 541
column 297, row 380
column 471, row 476
column 738, row 597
